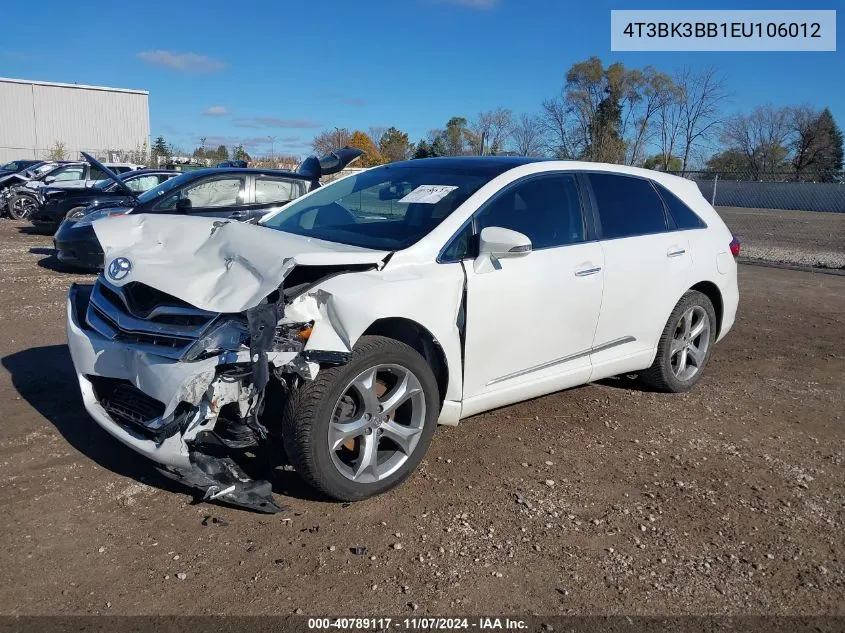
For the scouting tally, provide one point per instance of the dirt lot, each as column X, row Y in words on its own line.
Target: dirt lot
column 794, row 237
column 601, row 499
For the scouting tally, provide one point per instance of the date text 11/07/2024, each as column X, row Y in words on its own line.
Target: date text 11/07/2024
column 386, row 624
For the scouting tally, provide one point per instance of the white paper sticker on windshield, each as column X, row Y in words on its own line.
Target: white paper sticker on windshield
column 429, row 194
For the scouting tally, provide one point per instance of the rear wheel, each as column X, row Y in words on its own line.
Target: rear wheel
column 685, row 345
column 361, row 429
column 21, row 206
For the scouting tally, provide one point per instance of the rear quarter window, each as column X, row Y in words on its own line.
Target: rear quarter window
column 682, row 216
column 627, row 206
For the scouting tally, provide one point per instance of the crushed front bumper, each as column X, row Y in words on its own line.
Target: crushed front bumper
column 183, row 398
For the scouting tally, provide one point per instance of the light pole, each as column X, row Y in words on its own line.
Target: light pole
column 272, row 147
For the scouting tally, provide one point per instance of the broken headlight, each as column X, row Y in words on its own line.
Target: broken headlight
column 291, row 337
column 226, row 336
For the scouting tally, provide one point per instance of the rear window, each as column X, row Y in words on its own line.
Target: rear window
column 627, row 206
column 682, row 216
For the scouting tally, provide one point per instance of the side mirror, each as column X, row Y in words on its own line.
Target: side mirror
column 183, row 205
column 496, row 243
column 49, row 179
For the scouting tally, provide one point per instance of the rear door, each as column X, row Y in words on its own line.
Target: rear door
column 219, row 196
column 647, row 267
column 272, row 191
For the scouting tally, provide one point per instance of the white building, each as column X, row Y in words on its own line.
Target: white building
column 38, row 118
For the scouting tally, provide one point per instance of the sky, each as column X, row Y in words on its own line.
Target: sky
column 241, row 72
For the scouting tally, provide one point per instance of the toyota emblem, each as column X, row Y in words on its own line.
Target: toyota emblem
column 119, row 268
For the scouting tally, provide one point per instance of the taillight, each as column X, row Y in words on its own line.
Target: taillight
column 734, row 246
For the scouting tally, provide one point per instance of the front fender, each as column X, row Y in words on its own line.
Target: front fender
column 345, row 306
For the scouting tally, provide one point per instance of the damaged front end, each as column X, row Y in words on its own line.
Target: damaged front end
column 199, row 391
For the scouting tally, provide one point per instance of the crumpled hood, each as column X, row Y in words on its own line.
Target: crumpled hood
column 214, row 264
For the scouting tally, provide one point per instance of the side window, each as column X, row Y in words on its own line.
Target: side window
column 628, row 206
column 96, row 174
column 546, row 209
column 274, row 189
column 143, row 183
column 460, row 247
column 69, row 173
column 214, row 192
column 682, row 216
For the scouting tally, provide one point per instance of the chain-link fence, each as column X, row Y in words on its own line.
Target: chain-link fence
column 781, row 217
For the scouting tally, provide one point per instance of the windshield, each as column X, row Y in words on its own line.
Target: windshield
column 163, row 188
column 386, row 208
column 16, row 165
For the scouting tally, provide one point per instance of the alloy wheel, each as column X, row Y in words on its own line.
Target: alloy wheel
column 377, row 423
column 21, row 207
column 690, row 343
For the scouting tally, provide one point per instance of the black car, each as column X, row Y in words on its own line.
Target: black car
column 57, row 202
column 228, row 193
column 232, row 163
column 16, row 166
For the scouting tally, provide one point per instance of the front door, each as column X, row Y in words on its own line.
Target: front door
column 531, row 321
column 221, row 196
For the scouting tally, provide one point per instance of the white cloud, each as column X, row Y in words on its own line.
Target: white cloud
column 216, row 111
column 184, row 62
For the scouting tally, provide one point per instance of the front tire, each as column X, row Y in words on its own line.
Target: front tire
column 685, row 345
column 21, row 206
column 362, row 428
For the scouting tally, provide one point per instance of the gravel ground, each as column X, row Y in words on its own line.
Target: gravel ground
column 806, row 238
column 601, row 499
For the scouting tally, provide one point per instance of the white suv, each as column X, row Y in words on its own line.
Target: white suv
column 352, row 320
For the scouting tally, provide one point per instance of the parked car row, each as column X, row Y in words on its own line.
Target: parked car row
column 21, row 181
column 57, row 204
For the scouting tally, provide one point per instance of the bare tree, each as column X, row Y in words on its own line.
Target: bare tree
column 702, row 94
column 330, row 140
column 557, row 126
column 761, row 137
column 655, row 91
column 806, row 143
column 527, row 135
column 375, row 132
column 489, row 130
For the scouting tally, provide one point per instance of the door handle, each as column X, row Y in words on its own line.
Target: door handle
column 586, row 272
column 675, row 252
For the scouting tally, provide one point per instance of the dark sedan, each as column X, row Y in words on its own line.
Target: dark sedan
column 228, row 193
column 58, row 202
column 16, row 166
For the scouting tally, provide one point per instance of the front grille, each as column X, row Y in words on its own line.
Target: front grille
column 145, row 317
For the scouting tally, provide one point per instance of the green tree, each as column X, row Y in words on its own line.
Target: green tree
column 422, row 150
column 829, row 154
column 456, row 137
column 731, row 163
column 394, row 145
column 239, row 153
column 222, row 153
column 658, row 162
column 160, row 151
